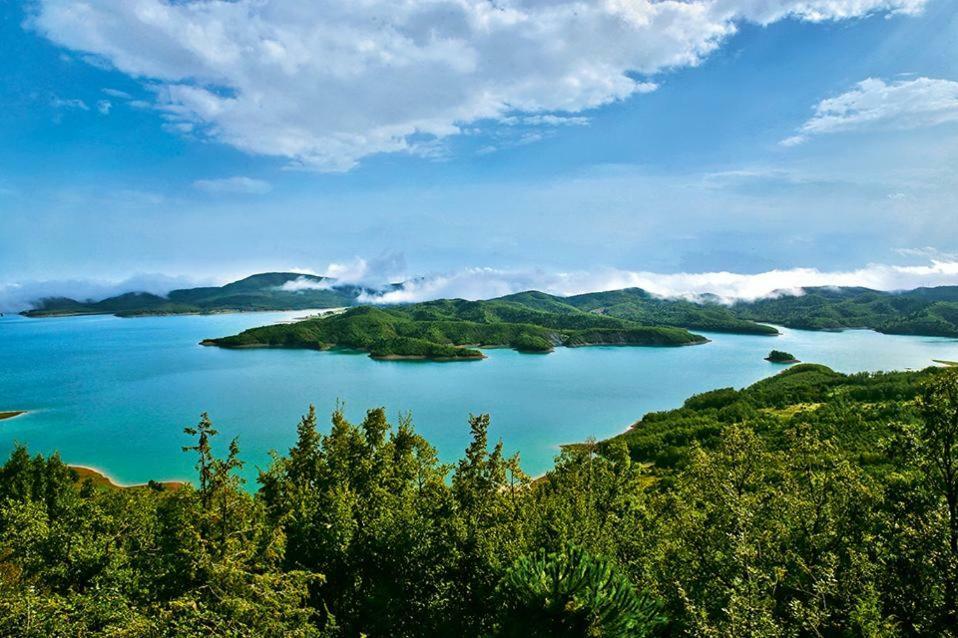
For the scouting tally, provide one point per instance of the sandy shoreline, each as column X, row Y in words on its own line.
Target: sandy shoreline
column 99, row 476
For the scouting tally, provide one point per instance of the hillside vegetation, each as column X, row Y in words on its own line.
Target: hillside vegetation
column 809, row 504
column 923, row 311
column 445, row 329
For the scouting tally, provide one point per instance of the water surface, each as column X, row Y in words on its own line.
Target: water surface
column 116, row 393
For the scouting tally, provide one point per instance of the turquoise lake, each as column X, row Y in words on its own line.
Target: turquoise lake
column 115, row 393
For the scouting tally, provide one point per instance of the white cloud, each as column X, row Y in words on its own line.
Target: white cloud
column 305, row 283
column 104, row 106
column 483, row 283
column 238, row 185
column 390, row 267
column 873, row 103
column 326, row 83
column 547, row 120
column 767, row 11
column 376, row 273
column 120, row 95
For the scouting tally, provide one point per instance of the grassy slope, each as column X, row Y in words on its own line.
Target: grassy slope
column 442, row 330
column 856, row 409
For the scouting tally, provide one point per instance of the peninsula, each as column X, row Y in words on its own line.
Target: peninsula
column 11, row 414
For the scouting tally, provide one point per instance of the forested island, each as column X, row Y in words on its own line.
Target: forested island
column 11, row 414
column 811, row 503
column 779, row 356
column 444, row 330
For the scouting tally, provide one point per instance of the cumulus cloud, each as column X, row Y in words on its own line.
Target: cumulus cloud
column 236, row 185
column 18, row 296
column 324, row 84
column 483, row 283
column 876, row 104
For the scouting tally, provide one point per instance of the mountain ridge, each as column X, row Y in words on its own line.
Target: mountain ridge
column 929, row 311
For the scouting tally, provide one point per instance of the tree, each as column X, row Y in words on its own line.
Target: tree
column 570, row 594
column 203, row 432
column 935, row 453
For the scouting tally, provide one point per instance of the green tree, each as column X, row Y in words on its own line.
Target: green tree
column 570, row 594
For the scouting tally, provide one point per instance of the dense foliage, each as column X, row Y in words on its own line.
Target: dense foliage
column 923, row 311
column 444, row 329
column 780, row 356
column 809, row 504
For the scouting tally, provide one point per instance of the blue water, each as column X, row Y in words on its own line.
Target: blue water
column 116, row 393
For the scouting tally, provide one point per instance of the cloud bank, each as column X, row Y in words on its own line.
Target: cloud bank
column 324, row 84
column 484, row 283
column 874, row 104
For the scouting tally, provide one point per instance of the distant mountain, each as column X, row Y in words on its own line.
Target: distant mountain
column 923, row 311
column 264, row 291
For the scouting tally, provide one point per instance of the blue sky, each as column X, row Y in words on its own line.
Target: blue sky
column 211, row 140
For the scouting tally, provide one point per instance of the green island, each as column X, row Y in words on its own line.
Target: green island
column 444, row 330
column 11, row 414
column 810, row 503
column 778, row 356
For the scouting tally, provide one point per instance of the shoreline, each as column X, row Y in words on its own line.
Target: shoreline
column 198, row 313
column 101, row 477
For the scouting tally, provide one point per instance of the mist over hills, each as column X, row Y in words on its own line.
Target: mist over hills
column 929, row 311
column 264, row 291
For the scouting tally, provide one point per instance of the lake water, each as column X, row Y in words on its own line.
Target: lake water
column 116, row 393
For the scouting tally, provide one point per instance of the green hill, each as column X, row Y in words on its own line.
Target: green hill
column 923, row 311
column 444, row 330
column 640, row 306
column 258, row 292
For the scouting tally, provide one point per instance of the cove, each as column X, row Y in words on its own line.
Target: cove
column 115, row 394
